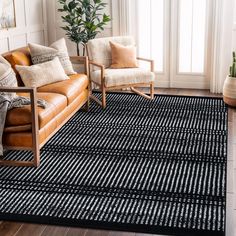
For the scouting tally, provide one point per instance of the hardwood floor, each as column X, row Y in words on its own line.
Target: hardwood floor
column 20, row 229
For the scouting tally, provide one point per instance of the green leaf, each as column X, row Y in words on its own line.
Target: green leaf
column 72, row 5
column 83, row 19
column 66, row 8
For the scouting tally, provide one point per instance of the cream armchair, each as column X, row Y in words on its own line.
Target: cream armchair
column 99, row 53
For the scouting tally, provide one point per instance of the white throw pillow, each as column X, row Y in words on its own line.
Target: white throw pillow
column 42, row 74
column 7, row 77
column 40, row 54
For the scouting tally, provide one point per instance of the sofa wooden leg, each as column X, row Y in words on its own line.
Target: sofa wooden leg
column 35, row 129
column 36, row 153
column 87, row 105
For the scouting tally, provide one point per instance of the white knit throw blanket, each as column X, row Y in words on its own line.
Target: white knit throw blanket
column 6, row 104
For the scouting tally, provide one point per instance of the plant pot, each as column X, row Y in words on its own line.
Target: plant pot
column 229, row 91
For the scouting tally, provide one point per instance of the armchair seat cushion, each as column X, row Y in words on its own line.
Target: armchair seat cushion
column 122, row 77
column 70, row 88
column 56, row 103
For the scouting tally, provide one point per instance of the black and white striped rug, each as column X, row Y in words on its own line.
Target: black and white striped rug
column 146, row 166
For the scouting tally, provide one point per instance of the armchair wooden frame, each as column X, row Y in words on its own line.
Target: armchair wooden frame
column 104, row 89
column 36, row 146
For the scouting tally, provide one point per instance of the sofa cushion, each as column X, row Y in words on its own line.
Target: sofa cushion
column 24, row 139
column 42, row 74
column 7, row 77
column 18, row 58
column 99, row 49
column 21, row 57
column 58, row 49
column 120, row 77
column 18, row 128
column 70, row 88
column 56, row 103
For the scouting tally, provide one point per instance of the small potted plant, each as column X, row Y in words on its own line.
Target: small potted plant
column 229, row 90
column 83, row 20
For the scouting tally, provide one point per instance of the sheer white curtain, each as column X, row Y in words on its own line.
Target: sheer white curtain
column 223, row 17
column 123, row 17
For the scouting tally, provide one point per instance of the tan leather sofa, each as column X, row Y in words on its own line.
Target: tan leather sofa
column 30, row 127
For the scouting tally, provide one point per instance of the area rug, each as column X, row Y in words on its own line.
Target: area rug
column 145, row 166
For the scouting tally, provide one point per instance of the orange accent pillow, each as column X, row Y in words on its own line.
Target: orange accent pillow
column 18, row 58
column 123, row 56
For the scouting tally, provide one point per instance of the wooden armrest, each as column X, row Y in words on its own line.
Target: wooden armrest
column 78, row 58
column 144, row 59
column 101, row 67
column 17, row 89
column 147, row 60
column 83, row 59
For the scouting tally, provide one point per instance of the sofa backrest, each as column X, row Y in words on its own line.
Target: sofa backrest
column 99, row 49
column 20, row 56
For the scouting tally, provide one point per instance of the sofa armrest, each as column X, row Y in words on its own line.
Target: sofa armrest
column 17, row 89
column 102, row 69
column 84, row 60
column 34, row 115
column 147, row 60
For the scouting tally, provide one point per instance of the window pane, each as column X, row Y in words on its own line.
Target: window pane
column 157, row 21
column 144, row 30
column 199, row 26
column 185, row 36
column 151, row 31
column 192, row 30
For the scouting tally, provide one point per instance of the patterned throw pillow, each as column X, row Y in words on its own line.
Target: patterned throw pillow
column 42, row 74
column 40, row 54
column 7, row 77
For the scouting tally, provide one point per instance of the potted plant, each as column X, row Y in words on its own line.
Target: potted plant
column 229, row 90
column 83, row 20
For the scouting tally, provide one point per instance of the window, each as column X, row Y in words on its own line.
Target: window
column 174, row 34
column 151, row 31
column 192, row 32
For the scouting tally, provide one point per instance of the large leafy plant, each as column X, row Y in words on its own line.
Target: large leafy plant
column 83, row 20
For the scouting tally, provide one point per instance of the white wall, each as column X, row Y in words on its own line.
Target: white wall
column 31, row 25
column 55, row 22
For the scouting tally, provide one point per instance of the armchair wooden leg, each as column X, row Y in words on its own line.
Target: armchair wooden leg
column 141, row 93
column 152, row 90
column 36, row 153
column 103, row 97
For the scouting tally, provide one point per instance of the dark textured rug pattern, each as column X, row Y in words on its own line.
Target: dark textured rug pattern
column 151, row 166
